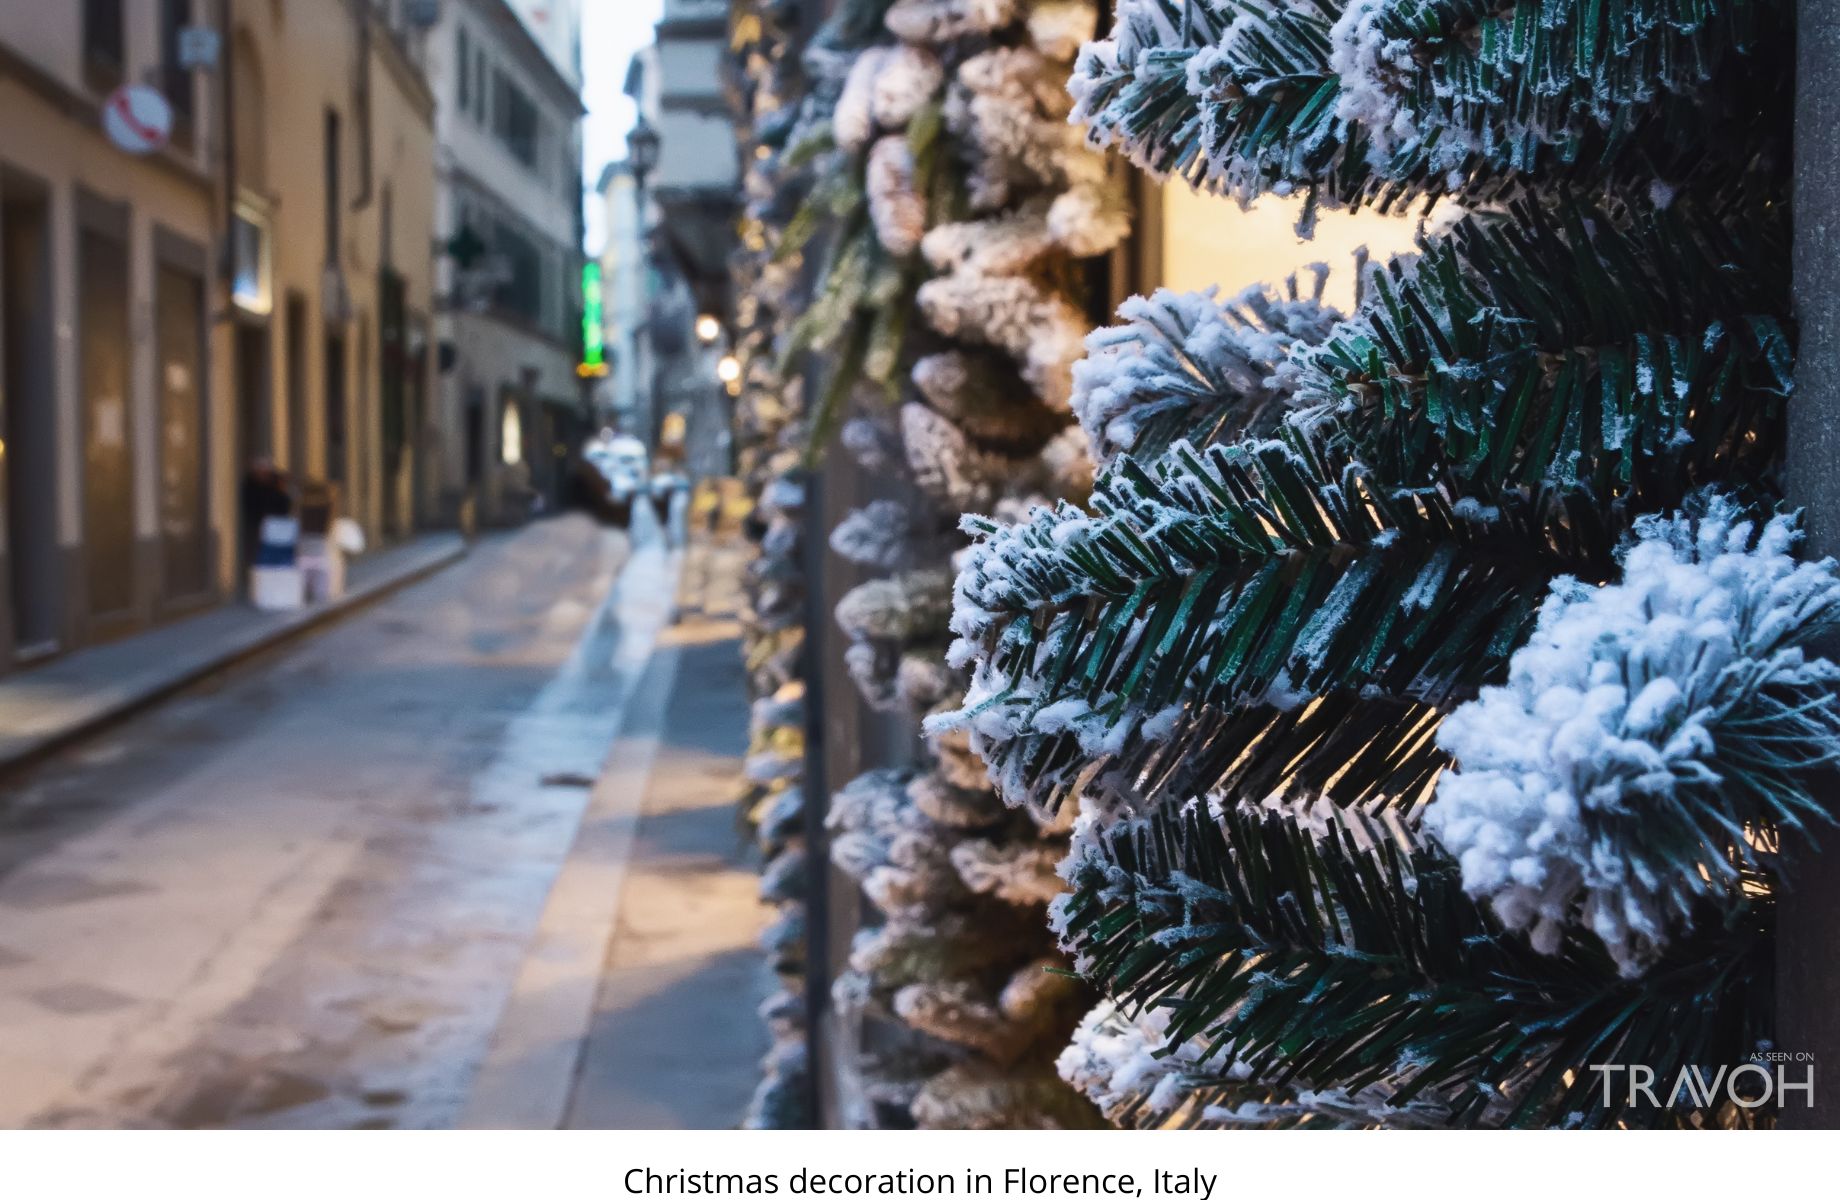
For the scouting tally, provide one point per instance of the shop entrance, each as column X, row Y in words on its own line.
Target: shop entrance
column 108, row 453
column 28, row 398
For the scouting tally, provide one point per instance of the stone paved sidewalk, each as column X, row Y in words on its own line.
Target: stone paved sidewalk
column 43, row 709
column 636, row 1005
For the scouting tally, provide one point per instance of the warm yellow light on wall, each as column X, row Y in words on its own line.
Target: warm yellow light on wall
column 1209, row 241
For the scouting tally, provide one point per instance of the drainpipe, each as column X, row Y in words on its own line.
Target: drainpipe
column 227, row 107
column 361, row 106
column 1808, row 948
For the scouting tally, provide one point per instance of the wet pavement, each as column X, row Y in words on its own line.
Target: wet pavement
column 300, row 896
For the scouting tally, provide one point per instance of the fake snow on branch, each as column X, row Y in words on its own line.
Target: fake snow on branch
column 1182, row 358
column 1649, row 731
column 1389, row 101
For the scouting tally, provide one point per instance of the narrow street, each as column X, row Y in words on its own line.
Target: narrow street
column 301, row 895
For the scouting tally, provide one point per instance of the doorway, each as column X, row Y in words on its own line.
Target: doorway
column 184, row 513
column 255, row 427
column 338, row 421
column 28, row 398
column 296, row 349
column 108, row 453
column 393, row 398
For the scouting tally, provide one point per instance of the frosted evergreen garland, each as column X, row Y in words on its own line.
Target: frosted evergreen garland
column 770, row 88
column 959, row 206
column 1618, row 740
column 1186, row 365
column 1384, row 102
column 1429, row 689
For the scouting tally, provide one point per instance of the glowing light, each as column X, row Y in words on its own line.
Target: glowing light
column 729, row 369
column 593, row 348
column 511, row 436
column 708, row 329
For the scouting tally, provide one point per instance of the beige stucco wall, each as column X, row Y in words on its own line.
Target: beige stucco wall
column 37, row 140
column 51, row 137
column 309, row 58
column 1209, row 242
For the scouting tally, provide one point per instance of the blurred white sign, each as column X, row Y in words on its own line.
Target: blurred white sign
column 137, row 118
column 199, row 46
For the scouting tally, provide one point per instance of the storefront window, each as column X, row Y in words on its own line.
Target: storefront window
column 251, row 285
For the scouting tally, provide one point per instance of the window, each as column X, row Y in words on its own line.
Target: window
column 176, row 81
column 464, row 56
column 482, row 99
column 251, row 266
column 520, row 292
column 104, row 39
column 334, row 191
column 516, row 120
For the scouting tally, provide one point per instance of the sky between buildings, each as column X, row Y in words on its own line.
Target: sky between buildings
column 610, row 31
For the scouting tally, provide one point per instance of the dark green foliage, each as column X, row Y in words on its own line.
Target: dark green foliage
column 1493, row 417
column 1195, row 368
column 1576, row 92
column 1354, row 962
column 1572, row 348
column 1238, row 659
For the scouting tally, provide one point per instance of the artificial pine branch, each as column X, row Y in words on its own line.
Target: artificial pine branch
column 1391, row 102
column 1345, row 957
column 1468, row 435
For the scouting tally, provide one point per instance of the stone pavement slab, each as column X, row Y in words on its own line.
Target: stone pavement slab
column 636, row 1004
column 297, row 898
column 44, row 709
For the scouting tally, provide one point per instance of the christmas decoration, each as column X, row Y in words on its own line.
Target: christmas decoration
column 1428, row 689
column 772, row 97
column 950, row 308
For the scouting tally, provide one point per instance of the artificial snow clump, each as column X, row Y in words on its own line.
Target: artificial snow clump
column 896, row 207
column 907, row 78
column 1058, row 28
column 931, row 21
column 1645, row 728
column 853, row 118
column 955, row 474
column 897, row 609
column 1375, row 71
column 879, row 534
column 1014, row 314
column 1088, row 221
column 1116, row 1059
column 1181, row 355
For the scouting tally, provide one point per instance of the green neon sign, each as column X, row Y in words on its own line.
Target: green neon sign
column 593, row 346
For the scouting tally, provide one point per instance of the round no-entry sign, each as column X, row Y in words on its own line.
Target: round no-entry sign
column 137, row 118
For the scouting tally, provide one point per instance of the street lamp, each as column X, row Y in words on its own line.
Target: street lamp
column 642, row 146
column 708, row 329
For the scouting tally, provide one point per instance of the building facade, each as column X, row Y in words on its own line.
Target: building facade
column 328, row 344
column 262, row 286
column 111, row 517
column 624, row 397
column 508, row 177
column 556, row 26
column 692, row 203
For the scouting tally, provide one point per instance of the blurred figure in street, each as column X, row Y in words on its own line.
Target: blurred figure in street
column 265, row 494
